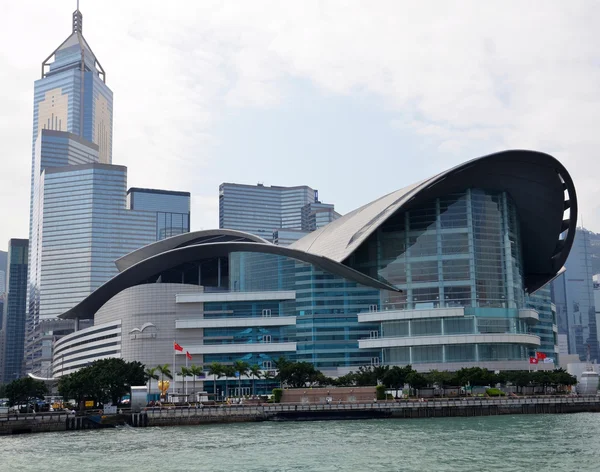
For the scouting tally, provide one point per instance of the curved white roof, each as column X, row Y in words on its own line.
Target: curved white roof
column 535, row 181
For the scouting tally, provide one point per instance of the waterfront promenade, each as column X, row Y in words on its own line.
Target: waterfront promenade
column 384, row 409
column 178, row 416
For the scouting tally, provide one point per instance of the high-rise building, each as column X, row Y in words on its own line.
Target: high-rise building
column 3, row 258
column 573, row 294
column 262, row 210
column 172, row 209
column 82, row 217
column 15, row 308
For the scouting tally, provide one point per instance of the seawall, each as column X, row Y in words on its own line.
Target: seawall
column 50, row 422
column 348, row 411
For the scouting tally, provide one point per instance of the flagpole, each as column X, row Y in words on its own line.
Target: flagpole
column 185, row 378
column 174, row 371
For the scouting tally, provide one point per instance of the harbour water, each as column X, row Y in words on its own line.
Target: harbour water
column 496, row 443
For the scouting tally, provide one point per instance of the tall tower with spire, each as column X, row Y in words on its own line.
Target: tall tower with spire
column 82, row 218
column 72, row 126
column 72, row 94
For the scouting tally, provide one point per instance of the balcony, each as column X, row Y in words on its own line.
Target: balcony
column 242, row 348
column 257, row 321
column 529, row 315
column 379, row 343
column 206, row 297
column 393, row 315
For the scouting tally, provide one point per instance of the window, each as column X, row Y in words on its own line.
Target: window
column 375, row 361
column 266, row 313
column 266, row 338
column 374, row 334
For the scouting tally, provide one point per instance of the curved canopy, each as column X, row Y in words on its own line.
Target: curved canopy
column 186, row 239
column 539, row 185
column 145, row 269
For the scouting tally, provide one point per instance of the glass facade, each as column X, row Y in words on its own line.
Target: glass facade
column 262, row 210
column 573, row 294
column 15, row 309
column 172, row 209
column 457, row 251
column 546, row 327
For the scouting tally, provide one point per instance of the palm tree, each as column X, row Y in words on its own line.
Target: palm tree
column 241, row 367
column 216, row 370
column 195, row 371
column 256, row 374
column 184, row 372
column 150, row 374
column 228, row 371
column 164, row 372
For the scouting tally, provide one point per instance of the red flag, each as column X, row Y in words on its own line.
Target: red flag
column 540, row 355
column 533, row 360
column 177, row 347
column 188, row 355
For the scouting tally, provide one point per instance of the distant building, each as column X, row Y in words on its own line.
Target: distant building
column 573, row 293
column 15, row 309
column 172, row 209
column 545, row 327
column 262, row 210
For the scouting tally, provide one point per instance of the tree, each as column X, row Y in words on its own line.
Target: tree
column 195, row 371
column 216, row 370
column 164, row 371
column 254, row 370
column 280, row 363
column 416, row 381
column 184, row 372
column 228, row 371
column 241, row 368
column 300, row 374
column 150, row 375
column 25, row 390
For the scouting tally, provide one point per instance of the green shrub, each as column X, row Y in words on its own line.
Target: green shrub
column 494, row 392
column 380, row 392
column 277, row 394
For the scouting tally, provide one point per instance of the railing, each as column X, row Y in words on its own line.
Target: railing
column 41, row 417
column 271, row 409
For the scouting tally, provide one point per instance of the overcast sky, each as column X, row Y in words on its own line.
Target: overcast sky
column 353, row 98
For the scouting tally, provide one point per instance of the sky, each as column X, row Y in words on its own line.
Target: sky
column 354, row 98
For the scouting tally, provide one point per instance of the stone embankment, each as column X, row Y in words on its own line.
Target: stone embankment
column 391, row 409
column 433, row 408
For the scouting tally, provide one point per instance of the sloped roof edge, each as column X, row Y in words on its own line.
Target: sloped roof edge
column 141, row 271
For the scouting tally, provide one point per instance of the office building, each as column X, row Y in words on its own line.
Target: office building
column 15, row 309
column 172, row 209
column 82, row 216
column 573, row 294
column 436, row 275
column 546, row 325
column 262, row 210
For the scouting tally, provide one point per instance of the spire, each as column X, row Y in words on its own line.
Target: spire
column 77, row 20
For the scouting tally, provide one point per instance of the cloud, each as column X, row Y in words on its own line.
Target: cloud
column 462, row 78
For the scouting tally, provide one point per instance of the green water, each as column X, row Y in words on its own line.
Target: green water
column 500, row 443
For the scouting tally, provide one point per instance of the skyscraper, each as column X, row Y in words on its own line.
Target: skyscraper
column 82, row 217
column 263, row 210
column 15, row 308
column 573, row 294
